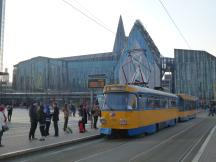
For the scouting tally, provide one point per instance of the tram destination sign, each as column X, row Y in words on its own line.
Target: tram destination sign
column 96, row 83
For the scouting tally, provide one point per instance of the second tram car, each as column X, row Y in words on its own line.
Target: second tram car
column 187, row 107
column 134, row 110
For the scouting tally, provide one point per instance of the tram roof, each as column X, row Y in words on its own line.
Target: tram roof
column 187, row 97
column 133, row 88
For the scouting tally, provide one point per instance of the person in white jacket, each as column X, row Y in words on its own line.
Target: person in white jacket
column 2, row 122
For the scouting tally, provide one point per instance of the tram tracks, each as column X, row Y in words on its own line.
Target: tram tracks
column 196, row 143
column 118, row 147
column 178, row 147
column 176, row 143
column 161, row 143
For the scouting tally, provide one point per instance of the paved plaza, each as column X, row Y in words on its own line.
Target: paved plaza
column 16, row 139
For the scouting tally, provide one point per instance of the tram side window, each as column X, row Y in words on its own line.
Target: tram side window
column 181, row 105
column 164, row 103
column 193, row 105
column 173, row 103
column 157, row 103
column 149, row 103
column 142, row 102
column 153, row 103
column 132, row 102
column 187, row 105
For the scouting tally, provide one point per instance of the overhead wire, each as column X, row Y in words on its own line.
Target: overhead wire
column 100, row 23
column 181, row 34
column 90, row 13
column 84, row 14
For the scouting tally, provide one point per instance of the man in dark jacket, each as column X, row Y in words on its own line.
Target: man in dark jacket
column 73, row 109
column 96, row 113
column 33, row 120
column 42, row 121
column 55, row 119
column 10, row 110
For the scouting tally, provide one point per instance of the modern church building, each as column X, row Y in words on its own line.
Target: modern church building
column 134, row 59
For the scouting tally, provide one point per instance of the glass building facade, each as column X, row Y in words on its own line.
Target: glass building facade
column 195, row 73
column 66, row 74
column 134, row 58
column 140, row 59
column 40, row 74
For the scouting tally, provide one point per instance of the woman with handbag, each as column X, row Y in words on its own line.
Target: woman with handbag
column 3, row 120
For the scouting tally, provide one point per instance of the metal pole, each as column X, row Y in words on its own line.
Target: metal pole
column 92, row 104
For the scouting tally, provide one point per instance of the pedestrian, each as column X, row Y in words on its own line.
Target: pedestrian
column 96, row 113
column 48, row 119
column 33, row 120
column 66, row 112
column 55, row 118
column 73, row 109
column 206, row 107
column 3, row 120
column 9, row 110
column 42, row 121
column 214, row 109
column 83, row 114
column 211, row 111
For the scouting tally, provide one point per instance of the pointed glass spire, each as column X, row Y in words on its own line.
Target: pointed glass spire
column 120, row 39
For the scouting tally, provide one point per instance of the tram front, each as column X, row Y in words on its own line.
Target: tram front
column 118, row 110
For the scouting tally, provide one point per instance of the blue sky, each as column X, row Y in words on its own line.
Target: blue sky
column 52, row 28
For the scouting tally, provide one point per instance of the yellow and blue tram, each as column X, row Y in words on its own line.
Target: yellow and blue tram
column 135, row 110
column 187, row 107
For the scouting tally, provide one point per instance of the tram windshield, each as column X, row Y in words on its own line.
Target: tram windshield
column 120, row 101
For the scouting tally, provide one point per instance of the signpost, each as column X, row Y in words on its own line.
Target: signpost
column 97, row 83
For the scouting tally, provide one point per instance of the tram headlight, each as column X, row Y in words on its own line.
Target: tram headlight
column 103, row 121
column 123, row 122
